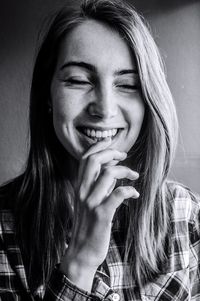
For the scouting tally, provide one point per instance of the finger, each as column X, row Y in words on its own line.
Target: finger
column 96, row 161
column 94, row 166
column 94, row 148
column 117, row 197
column 101, row 145
column 105, row 183
column 111, row 187
column 113, row 162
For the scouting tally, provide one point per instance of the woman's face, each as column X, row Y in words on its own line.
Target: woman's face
column 95, row 90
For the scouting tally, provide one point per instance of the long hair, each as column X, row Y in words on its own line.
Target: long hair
column 44, row 202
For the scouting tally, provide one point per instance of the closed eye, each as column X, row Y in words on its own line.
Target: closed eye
column 129, row 87
column 76, row 82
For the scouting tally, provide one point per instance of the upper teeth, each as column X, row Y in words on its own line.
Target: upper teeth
column 100, row 134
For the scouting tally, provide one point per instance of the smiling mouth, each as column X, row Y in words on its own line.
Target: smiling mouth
column 98, row 135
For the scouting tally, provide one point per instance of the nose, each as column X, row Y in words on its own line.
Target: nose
column 104, row 104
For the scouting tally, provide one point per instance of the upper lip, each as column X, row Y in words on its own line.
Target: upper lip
column 101, row 128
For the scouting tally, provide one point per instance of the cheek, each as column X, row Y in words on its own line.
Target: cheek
column 65, row 107
column 141, row 113
column 136, row 114
column 64, row 115
column 66, row 104
column 63, row 111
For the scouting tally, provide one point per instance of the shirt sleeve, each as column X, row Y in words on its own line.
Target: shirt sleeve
column 62, row 289
column 194, row 232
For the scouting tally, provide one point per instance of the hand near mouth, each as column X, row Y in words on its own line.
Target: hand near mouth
column 96, row 202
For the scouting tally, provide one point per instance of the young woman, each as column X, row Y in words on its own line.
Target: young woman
column 93, row 216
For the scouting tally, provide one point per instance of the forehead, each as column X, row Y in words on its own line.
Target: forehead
column 96, row 43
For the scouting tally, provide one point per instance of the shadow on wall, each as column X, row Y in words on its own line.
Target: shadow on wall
column 175, row 25
column 154, row 6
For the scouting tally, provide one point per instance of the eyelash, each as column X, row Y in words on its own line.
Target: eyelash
column 77, row 82
column 82, row 82
column 129, row 87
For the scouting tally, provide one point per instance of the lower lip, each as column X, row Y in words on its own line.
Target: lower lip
column 92, row 140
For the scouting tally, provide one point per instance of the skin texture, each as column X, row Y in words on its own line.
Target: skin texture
column 103, row 99
column 105, row 95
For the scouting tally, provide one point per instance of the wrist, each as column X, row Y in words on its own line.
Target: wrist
column 80, row 274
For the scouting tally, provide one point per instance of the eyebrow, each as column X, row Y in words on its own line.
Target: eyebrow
column 92, row 68
column 126, row 71
column 79, row 64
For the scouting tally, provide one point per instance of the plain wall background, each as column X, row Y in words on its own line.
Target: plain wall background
column 175, row 26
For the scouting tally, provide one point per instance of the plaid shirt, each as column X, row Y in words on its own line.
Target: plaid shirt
column 179, row 281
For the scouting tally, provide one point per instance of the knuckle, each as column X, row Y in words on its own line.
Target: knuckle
column 98, row 213
column 81, row 195
column 89, row 204
column 93, row 160
column 108, row 171
column 102, row 215
column 119, row 192
column 123, row 192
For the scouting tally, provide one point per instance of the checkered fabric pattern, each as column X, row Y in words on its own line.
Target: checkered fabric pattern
column 180, row 279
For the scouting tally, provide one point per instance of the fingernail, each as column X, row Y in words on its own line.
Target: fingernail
column 124, row 154
column 137, row 174
column 137, row 194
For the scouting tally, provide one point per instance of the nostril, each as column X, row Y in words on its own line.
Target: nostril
column 102, row 110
